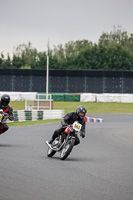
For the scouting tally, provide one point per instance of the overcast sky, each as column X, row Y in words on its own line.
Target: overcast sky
column 60, row 21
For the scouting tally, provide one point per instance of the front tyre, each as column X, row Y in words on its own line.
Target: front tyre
column 67, row 149
column 50, row 152
column 55, row 144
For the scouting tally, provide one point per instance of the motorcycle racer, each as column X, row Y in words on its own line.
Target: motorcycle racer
column 69, row 119
column 7, row 111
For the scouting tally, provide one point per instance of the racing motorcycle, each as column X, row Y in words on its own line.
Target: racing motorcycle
column 3, row 116
column 64, row 143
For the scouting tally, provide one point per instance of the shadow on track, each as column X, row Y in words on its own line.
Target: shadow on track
column 72, row 159
column 8, row 145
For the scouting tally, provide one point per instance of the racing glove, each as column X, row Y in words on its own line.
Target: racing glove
column 82, row 134
column 11, row 118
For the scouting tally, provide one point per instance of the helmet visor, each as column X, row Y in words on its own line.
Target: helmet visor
column 5, row 103
column 81, row 114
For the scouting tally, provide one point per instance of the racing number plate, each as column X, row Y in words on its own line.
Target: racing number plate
column 77, row 126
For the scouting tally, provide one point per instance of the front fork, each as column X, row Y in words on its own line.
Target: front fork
column 69, row 137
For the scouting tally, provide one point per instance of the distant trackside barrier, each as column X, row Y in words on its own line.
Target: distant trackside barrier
column 34, row 115
column 68, row 97
column 91, row 119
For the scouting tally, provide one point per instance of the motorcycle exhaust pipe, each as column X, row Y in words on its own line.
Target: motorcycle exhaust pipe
column 48, row 145
column 57, row 149
column 51, row 147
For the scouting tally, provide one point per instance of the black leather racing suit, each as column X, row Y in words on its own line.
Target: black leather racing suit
column 9, row 111
column 69, row 119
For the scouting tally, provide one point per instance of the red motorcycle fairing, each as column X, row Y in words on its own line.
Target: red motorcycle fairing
column 5, row 110
column 67, row 129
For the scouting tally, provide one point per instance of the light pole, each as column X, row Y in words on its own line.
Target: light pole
column 47, row 74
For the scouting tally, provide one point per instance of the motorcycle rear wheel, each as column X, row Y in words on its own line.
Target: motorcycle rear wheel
column 67, row 149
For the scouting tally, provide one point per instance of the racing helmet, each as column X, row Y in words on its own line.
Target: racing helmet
column 5, row 100
column 81, row 111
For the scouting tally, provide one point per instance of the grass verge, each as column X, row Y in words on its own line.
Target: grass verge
column 28, row 123
column 92, row 107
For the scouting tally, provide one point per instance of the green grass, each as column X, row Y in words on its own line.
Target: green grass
column 25, row 123
column 18, row 105
column 91, row 107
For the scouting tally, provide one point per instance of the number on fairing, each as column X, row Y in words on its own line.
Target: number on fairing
column 77, row 126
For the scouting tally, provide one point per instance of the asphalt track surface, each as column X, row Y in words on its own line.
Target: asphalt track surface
column 100, row 168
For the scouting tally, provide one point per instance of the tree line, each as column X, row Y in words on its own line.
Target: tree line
column 114, row 51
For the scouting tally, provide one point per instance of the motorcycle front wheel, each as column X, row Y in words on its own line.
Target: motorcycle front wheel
column 50, row 152
column 67, row 149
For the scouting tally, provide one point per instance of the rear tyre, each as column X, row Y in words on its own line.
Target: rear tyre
column 67, row 149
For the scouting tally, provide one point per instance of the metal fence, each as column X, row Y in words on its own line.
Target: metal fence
column 67, row 81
